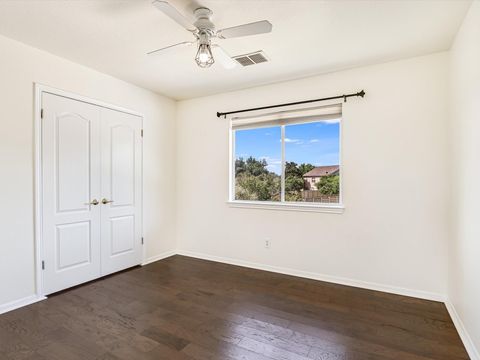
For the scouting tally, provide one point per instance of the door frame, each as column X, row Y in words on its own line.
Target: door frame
column 39, row 90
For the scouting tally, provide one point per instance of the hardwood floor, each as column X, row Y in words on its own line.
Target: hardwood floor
column 185, row 308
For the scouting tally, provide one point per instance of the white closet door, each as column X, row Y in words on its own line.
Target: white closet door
column 70, row 182
column 122, row 189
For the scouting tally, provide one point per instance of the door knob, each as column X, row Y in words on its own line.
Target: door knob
column 105, row 201
column 93, row 202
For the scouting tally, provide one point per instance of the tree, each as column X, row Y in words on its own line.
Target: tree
column 240, row 166
column 292, row 170
column 263, row 187
column 329, row 185
column 256, row 167
column 251, row 166
column 294, row 183
column 254, row 181
column 304, row 168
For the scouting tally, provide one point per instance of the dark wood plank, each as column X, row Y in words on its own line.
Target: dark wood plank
column 190, row 309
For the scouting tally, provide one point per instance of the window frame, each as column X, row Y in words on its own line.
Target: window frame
column 337, row 208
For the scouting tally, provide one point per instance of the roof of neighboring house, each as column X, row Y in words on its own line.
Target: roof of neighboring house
column 322, row 171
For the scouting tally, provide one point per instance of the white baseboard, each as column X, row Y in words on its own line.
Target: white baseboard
column 20, row 303
column 322, row 277
column 466, row 339
column 161, row 256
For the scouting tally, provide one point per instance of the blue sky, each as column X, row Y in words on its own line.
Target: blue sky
column 315, row 143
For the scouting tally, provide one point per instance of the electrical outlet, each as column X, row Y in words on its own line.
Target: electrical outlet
column 267, row 243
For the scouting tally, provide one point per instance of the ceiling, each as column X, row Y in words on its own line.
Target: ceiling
column 309, row 37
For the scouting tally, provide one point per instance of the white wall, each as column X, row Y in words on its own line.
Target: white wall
column 20, row 67
column 464, row 274
column 394, row 231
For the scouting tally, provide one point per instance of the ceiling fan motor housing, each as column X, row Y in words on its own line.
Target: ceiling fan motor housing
column 203, row 22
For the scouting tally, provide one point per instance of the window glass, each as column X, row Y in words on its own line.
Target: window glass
column 312, row 162
column 258, row 168
column 306, row 156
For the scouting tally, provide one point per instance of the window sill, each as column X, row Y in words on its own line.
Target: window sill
column 267, row 205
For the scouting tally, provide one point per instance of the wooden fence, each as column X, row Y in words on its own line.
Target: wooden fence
column 316, row 196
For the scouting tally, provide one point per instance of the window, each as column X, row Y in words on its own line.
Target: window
column 290, row 158
column 258, row 164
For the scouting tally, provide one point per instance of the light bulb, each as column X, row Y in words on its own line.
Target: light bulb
column 204, row 56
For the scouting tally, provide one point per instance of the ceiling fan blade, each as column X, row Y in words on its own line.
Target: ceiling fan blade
column 169, row 48
column 223, row 58
column 259, row 27
column 174, row 14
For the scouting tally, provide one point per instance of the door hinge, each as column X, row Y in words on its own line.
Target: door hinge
column 43, row 265
column 142, row 240
column 41, row 113
column 141, row 132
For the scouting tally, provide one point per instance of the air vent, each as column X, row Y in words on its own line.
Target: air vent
column 257, row 57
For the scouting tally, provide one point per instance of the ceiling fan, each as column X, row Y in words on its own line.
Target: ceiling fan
column 204, row 31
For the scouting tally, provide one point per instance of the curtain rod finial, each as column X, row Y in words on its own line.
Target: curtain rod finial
column 361, row 93
column 219, row 114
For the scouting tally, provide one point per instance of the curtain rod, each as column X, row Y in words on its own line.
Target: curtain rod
column 344, row 97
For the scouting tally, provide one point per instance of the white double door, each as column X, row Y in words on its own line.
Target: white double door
column 91, row 197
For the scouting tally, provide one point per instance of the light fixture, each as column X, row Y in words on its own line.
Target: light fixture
column 200, row 25
column 204, row 56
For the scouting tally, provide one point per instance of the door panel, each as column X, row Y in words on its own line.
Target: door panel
column 121, row 184
column 122, row 234
column 122, row 165
column 72, row 162
column 73, row 245
column 70, row 180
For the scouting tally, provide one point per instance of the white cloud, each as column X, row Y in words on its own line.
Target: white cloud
column 293, row 141
column 314, row 141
